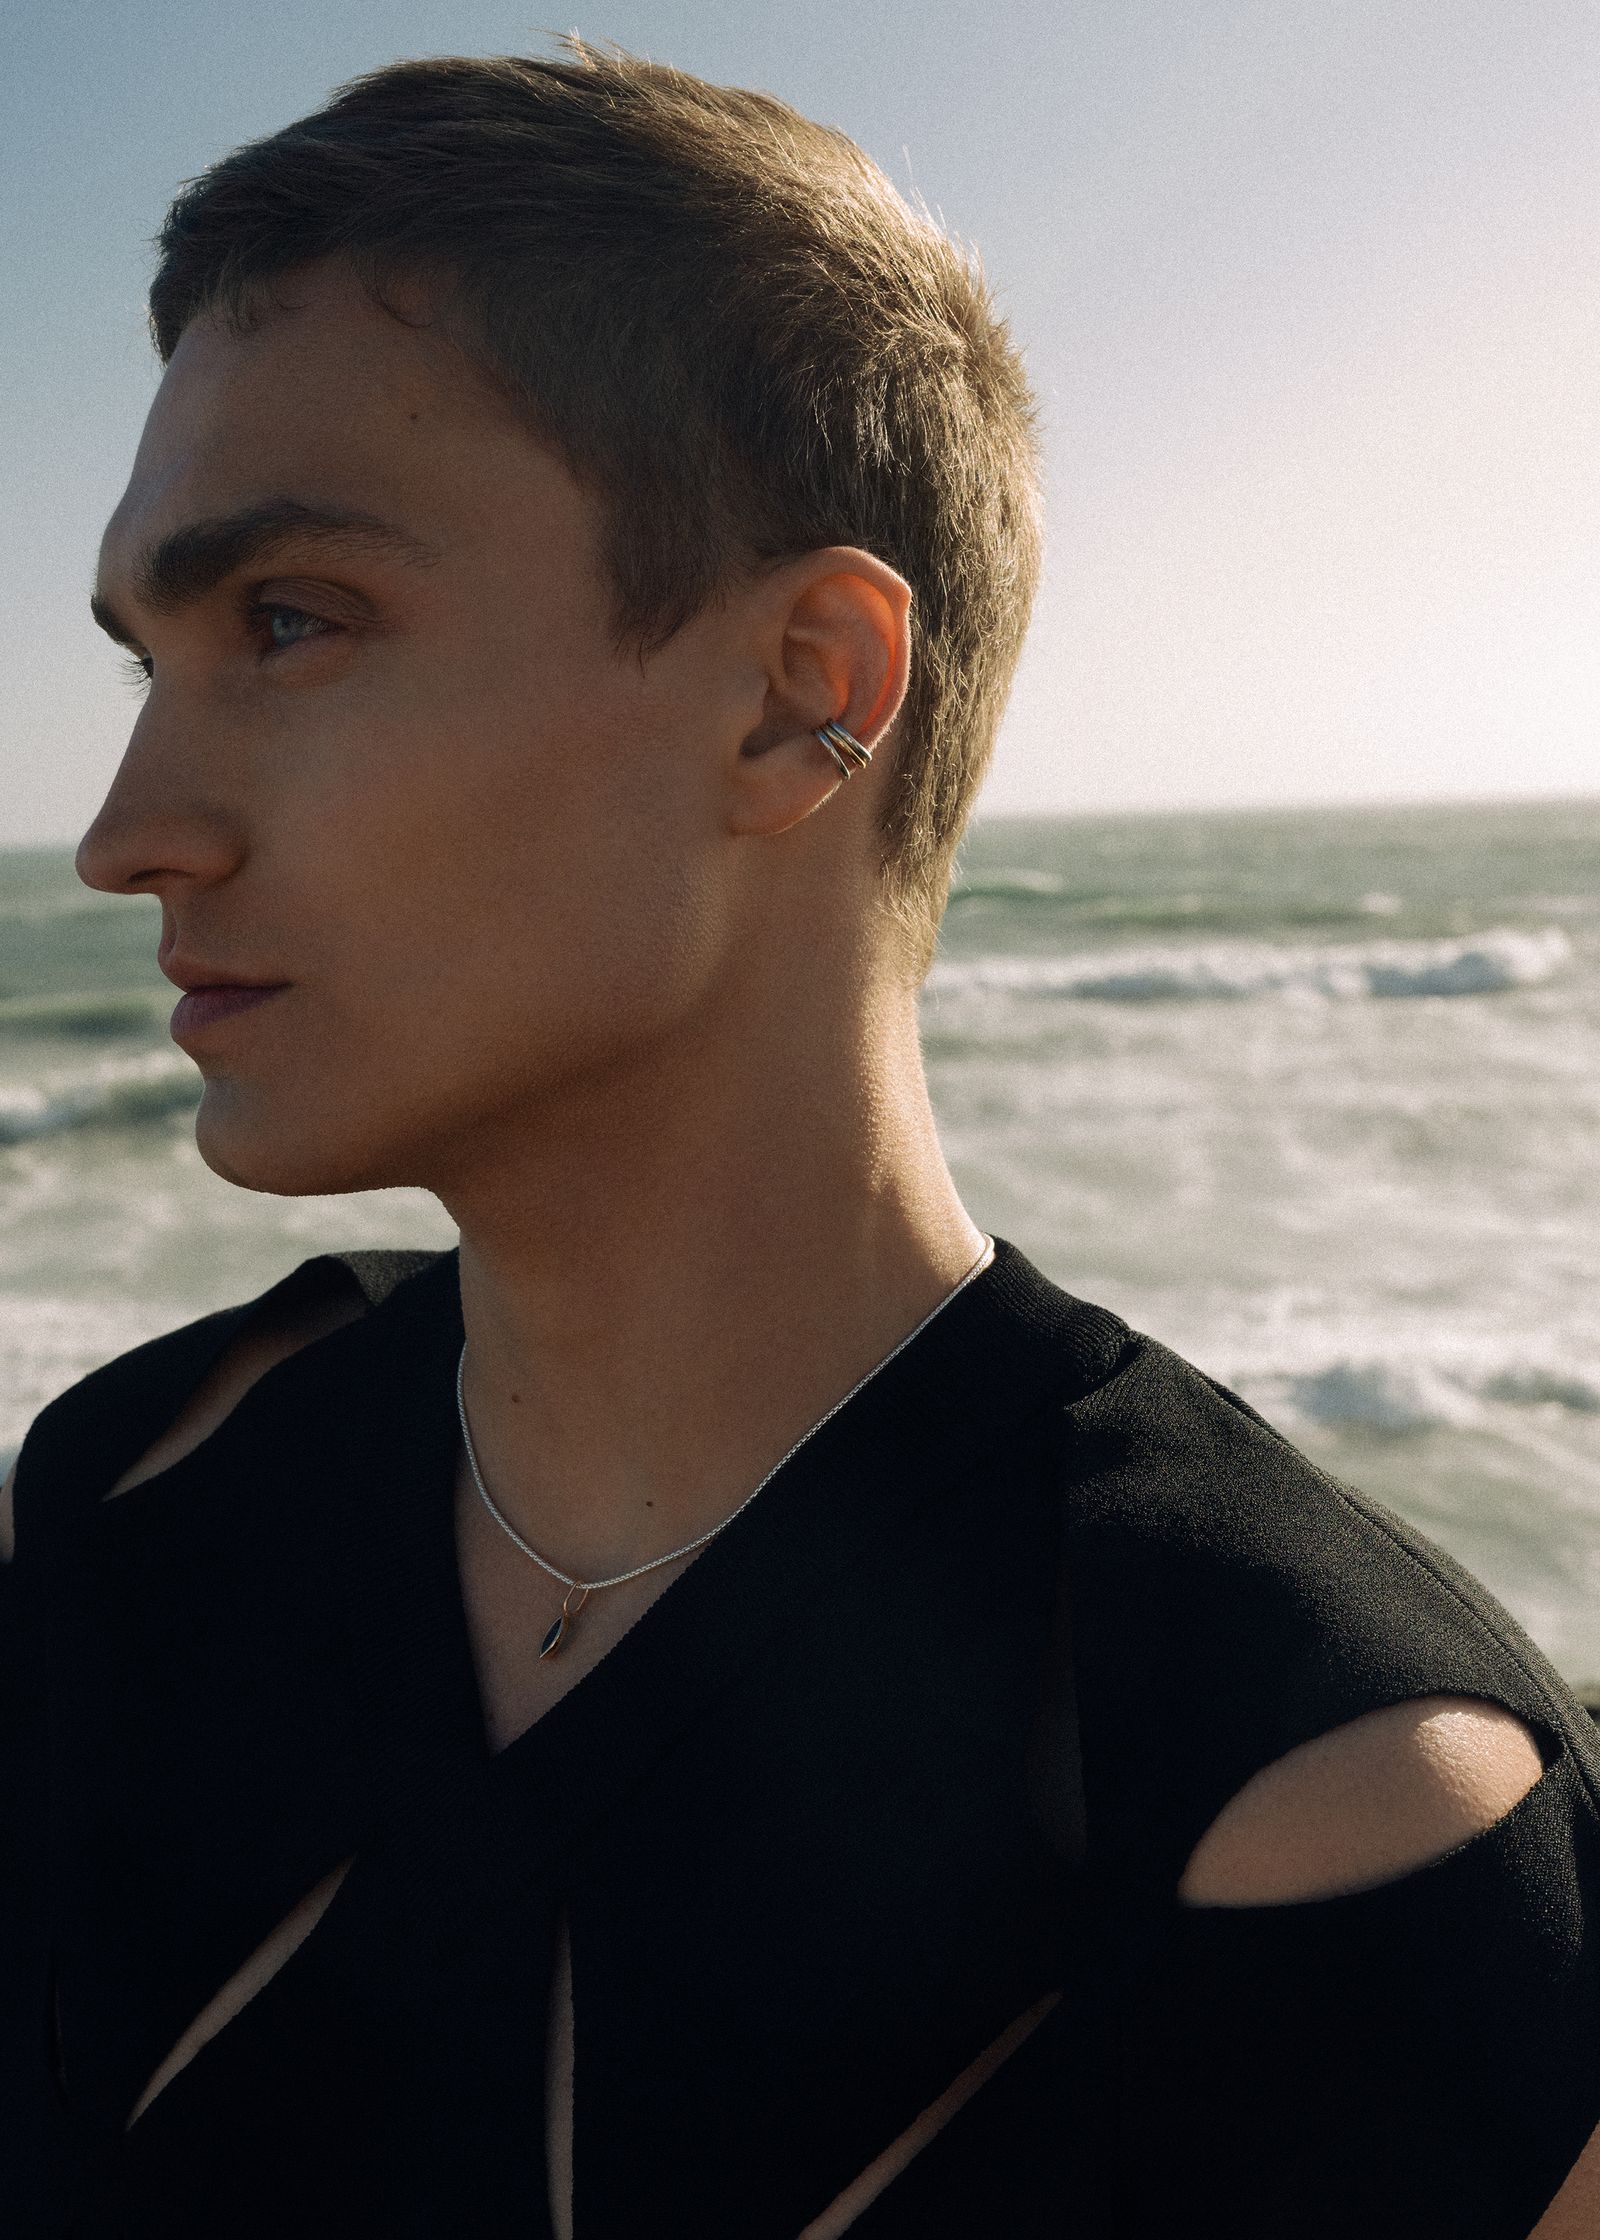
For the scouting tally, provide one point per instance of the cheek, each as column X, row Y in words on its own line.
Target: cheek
column 508, row 908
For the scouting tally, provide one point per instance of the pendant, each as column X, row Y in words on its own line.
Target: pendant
column 564, row 1624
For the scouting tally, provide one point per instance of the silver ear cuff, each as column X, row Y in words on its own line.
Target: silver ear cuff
column 846, row 749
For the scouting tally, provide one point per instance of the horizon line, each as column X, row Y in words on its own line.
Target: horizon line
column 1326, row 807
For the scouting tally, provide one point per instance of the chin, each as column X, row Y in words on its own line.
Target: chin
column 253, row 1143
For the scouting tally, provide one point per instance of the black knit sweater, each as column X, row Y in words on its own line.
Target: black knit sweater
column 928, row 1732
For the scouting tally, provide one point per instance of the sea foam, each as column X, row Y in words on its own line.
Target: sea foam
column 110, row 1097
column 1483, row 964
column 80, row 1018
column 1401, row 1392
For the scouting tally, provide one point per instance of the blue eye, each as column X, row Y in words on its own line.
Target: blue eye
column 282, row 627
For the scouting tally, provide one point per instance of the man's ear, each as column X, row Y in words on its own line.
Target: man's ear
column 834, row 628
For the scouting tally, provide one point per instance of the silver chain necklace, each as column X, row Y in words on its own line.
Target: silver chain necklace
column 579, row 1590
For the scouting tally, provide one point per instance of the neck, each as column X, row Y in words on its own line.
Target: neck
column 667, row 1283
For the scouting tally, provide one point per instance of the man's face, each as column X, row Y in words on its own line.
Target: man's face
column 397, row 770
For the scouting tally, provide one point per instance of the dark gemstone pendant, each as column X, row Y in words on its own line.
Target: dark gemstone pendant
column 571, row 1603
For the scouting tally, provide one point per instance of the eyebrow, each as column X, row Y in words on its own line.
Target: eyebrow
column 188, row 562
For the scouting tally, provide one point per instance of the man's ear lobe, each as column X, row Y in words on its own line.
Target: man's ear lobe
column 780, row 780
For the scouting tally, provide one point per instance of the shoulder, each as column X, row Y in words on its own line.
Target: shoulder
column 1219, row 1585
column 1196, row 1521
column 1233, row 1607
column 139, row 1413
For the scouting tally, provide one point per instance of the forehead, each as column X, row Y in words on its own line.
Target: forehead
column 333, row 401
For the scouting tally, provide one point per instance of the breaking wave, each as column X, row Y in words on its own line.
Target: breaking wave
column 108, row 1099
column 1035, row 892
column 91, row 1018
column 1222, row 912
column 1481, row 964
column 1399, row 1396
column 1012, row 886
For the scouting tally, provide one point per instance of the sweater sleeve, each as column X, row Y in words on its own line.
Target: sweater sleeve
column 1419, row 2061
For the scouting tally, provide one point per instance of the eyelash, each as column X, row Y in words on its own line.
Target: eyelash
column 138, row 669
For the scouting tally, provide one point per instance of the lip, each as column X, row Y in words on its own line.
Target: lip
column 208, row 1005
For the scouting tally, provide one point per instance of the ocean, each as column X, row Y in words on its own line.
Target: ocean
column 1313, row 1096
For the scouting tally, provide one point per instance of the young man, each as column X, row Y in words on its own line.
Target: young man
column 733, row 1708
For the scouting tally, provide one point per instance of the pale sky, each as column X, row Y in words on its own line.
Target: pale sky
column 1310, row 290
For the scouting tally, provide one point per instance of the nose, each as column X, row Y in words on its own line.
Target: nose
column 157, row 831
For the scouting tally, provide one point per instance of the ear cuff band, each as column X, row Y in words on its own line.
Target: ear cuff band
column 846, row 749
